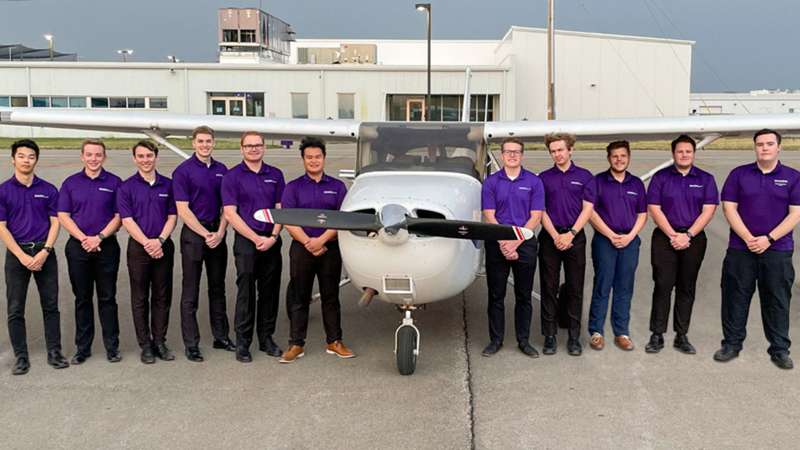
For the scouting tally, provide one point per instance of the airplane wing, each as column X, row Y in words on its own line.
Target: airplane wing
column 171, row 124
column 655, row 128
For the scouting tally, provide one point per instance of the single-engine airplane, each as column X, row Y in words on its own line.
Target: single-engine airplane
column 411, row 219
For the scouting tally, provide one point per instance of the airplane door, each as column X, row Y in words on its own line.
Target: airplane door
column 415, row 110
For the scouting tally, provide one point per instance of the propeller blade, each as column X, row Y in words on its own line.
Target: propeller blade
column 462, row 229
column 320, row 218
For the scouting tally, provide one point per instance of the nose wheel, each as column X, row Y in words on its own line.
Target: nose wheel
column 406, row 344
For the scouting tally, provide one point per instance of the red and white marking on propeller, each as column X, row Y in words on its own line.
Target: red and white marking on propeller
column 522, row 233
column 263, row 215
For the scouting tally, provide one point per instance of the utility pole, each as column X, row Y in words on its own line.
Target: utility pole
column 551, row 86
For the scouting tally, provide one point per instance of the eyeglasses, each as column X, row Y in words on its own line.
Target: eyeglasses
column 511, row 152
column 253, row 147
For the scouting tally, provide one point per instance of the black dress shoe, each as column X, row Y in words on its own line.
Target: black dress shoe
column 526, row 348
column 549, row 345
column 656, row 343
column 57, row 360
column 193, row 354
column 224, row 344
column 164, row 353
column 79, row 359
column 683, row 345
column 492, row 348
column 574, row 347
column 22, row 366
column 726, row 354
column 113, row 356
column 243, row 355
column 148, row 357
column 782, row 360
column 270, row 348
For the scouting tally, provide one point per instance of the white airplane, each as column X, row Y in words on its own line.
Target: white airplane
column 411, row 219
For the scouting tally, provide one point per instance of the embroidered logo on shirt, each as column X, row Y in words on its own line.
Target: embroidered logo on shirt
column 269, row 181
column 631, row 193
column 163, row 195
column 40, row 196
column 781, row 183
column 695, row 185
column 105, row 189
column 330, row 192
column 524, row 188
column 576, row 182
column 220, row 175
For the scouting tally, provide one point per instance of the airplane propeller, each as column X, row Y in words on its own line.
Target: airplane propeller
column 392, row 219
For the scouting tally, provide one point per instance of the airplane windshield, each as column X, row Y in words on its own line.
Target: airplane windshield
column 427, row 147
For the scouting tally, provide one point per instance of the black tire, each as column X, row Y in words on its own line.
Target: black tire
column 406, row 344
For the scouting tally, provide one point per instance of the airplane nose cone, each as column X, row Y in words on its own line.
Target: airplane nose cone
column 393, row 218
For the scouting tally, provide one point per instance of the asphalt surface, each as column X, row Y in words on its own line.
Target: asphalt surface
column 456, row 398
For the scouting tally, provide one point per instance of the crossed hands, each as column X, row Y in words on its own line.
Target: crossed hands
column 315, row 246
column 91, row 244
column 213, row 239
column 621, row 240
column 680, row 241
column 263, row 243
column 153, row 248
column 758, row 244
column 563, row 241
column 36, row 262
column 509, row 249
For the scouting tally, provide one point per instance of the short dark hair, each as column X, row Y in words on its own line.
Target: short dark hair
column 146, row 144
column 618, row 144
column 683, row 138
column 93, row 142
column 512, row 140
column 202, row 129
column 568, row 139
column 24, row 143
column 310, row 141
column 767, row 131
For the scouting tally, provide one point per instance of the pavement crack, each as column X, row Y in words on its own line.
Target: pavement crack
column 468, row 375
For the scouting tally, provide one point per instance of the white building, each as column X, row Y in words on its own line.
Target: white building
column 597, row 75
column 753, row 102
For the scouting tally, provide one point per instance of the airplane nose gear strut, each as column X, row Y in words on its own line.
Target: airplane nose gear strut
column 406, row 342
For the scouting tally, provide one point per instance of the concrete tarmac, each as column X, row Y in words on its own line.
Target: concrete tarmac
column 456, row 398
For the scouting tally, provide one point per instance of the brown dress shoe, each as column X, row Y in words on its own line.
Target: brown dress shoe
column 291, row 354
column 339, row 349
column 624, row 342
column 597, row 342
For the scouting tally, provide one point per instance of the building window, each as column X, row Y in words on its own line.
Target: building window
column 58, row 102
column 300, row 105
column 230, row 35
column 5, row 102
column 158, row 102
column 41, row 102
column 445, row 108
column 347, row 106
column 249, row 104
column 247, row 36
column 99, row 102
column 136, row 102
column 77, row 102
column 118, row 102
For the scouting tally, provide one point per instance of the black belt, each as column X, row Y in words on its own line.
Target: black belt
column 562, row 230
column 31, row 246
column 210, row 226
column 681, row 229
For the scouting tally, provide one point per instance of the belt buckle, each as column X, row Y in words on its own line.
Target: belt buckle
column 27, row 245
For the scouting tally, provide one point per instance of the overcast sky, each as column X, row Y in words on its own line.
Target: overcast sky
column 740, row 44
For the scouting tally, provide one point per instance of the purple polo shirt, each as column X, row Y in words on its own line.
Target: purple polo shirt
column 199, row 184
column 304, row 192
column 250, row 191
column 617, row 203
column 682, row 197
column 147, row 205
column 91, row 202
column 564, row 193
column 763, row 201
column 513, row 200
column 27, row 210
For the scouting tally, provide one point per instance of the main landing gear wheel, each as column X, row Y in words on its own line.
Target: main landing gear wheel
column 406, row 345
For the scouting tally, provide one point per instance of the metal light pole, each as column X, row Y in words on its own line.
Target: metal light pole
column 427, row 8
column 551, row 88
column 50, row 44
column 125, row 53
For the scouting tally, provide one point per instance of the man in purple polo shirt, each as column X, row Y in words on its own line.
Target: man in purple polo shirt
column 147, row 210
column 681, row 200
column 511, row 196
column 87, row 209
column 247, row 188
column 314, row 253
column 620, row 212
column 761, row 201
column 197, row 185
column 29, row 228
column 562, row 241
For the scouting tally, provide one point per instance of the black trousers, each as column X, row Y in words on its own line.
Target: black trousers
column 550, row 261
column 89, row 272
column 17, row 279
column 304, row 267
column 258, row 285
column 674, row 269
column 773, row 273
column 151, row 292
column 195, row 252
column 497, row 270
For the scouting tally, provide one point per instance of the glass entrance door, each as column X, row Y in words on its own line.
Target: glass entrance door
column 415, row 110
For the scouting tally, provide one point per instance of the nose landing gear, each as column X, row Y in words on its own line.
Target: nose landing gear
column 406, row 343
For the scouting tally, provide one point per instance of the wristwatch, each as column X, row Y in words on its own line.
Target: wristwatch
column 573, row 232
column 689, row 233
column 101, row 236
column 48, row 249
column 770, row 239
column 162, row 240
